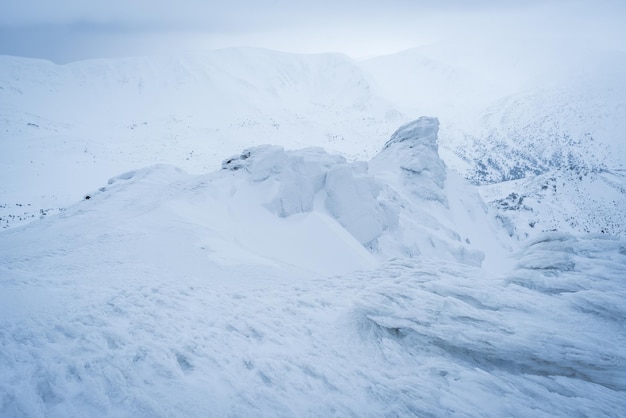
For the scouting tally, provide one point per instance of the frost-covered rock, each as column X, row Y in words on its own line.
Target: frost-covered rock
column 350, row 195
column 352, row 198
column 439, row 213
column 413, row 149
column 403, row 203
column 298, row 175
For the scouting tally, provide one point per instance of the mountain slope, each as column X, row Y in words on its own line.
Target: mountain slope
column 545, row 139
column 553, row 156
column 575, row 122
column 574, row 201
column 66, row 129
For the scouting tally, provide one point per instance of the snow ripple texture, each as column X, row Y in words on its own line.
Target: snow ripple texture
column 413, row 338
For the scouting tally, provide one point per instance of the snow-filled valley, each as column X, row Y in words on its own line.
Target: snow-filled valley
column 245, row 232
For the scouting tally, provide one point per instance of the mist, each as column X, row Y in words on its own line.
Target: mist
column 68, row 31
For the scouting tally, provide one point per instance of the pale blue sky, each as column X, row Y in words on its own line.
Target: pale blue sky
column 66, row 30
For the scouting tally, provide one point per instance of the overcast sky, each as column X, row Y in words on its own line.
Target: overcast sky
column 67, row 30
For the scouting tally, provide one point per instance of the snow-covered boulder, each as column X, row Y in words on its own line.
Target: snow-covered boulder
column 413, row 149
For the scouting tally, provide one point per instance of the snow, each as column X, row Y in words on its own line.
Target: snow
column 329, row 274
column 562, row 200
column 102, row 117
column 396, row 205
column 149, row 329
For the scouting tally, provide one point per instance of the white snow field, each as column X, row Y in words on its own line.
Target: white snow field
column 298, row 283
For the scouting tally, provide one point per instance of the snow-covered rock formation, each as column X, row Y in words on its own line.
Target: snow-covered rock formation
column 401, row 204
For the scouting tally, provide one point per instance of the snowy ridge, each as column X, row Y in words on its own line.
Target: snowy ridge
column 211, row 93
column 100, row 117
column 309, row 209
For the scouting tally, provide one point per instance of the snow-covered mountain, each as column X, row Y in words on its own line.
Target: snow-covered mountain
column 67, row 128
column 229, row 98
column 553, row 156
column 96, row 118
column 294, row 283
column 574, row 118
column 364, row 278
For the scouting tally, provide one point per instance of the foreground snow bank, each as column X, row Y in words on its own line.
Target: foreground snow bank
column 130, row 334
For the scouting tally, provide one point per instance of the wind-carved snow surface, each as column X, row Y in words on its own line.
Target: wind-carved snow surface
column 296, row 283
column 547, row 339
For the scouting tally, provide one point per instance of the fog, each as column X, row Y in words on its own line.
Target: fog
column 69, row 30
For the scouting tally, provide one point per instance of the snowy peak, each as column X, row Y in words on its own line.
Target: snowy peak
column 413, row 149
column 422, row 131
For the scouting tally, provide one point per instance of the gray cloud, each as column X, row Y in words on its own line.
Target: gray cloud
column 66, row 30
column 204, row 14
